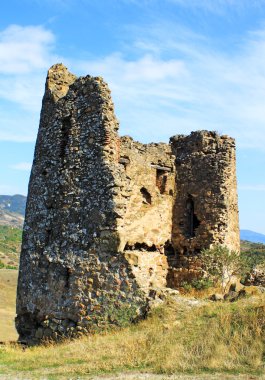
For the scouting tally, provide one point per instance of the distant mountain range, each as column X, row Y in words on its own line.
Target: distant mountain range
column 252, row 236
column 12, row 210
column 13, row 203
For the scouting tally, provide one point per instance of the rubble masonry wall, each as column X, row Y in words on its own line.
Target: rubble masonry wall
column 108, row 219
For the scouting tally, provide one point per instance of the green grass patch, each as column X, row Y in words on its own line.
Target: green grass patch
column 10, row 243
column 10, row 239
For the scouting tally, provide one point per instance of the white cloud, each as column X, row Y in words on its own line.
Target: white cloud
column 26, row 52
column 24, row 49
column 179, row 82
column 145, row 70
column 25, row 166
column 198, row 87
column 24, row 90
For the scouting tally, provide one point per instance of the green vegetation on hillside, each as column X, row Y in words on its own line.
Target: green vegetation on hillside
column 10, row 239
column 10, row 243
column 253, row 254
column 220, row 265
column 248, row 246
column 178, row 337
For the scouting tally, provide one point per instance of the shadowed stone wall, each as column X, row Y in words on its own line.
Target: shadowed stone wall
column 205, row 212
column 71, row 275
column 108, row 219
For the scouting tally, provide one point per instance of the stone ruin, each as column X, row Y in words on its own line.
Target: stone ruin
column 109, row 219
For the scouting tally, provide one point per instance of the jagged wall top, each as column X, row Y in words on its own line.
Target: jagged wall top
column 58, row 81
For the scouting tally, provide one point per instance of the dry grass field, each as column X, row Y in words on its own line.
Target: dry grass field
column 179, row 338
column 8, row 283
column 182, row 339
column 10, row 241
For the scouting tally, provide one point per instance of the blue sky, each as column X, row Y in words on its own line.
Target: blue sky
column 173, row 66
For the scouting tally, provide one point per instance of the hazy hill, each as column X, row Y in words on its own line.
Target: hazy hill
column 11, row 219
column 12, row 210
column 13, row 203
column 252, row 236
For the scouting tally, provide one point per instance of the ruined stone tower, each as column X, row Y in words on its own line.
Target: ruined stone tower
column 109, row 218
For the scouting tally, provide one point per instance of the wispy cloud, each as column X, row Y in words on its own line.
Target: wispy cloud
column 24, row 49
column 25, row 166
column 219, row 6
column 170, row 80
column 25, row 54
column 198, row 87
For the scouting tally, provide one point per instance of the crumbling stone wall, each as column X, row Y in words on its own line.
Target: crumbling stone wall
column 71, row 275
column 108, row 219
column 146, row 225
column 205, row 210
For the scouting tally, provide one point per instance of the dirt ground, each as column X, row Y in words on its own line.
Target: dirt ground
column 149, row 376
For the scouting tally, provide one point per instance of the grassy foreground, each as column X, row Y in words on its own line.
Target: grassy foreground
column 8, row 284
column 176, row 338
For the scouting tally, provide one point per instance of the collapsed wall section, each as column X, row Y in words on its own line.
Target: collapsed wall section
column 146, row 225
column 205, row 211
column 72, row 278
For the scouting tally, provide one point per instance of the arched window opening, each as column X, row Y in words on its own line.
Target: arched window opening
column 193, row 221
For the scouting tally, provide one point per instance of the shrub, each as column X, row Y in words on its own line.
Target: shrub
column 252, row 259
column 123, row 315
column 202, row 283
column 11, row 267
column 221, row 264
column 199, row 284
column 186, row 286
